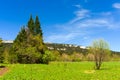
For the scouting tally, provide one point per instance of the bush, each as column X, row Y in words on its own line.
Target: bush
column 77, row 57
column 6, row 56
column 65, row 57
column 90, row 57
column 56, row 56
column 28, row 55
column 47, row 57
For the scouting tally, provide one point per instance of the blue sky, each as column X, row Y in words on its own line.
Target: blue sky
column 64, row 21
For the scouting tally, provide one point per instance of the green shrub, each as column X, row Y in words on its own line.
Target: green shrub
column 48, row 56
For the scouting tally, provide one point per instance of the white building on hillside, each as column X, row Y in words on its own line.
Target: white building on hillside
column 7, row 41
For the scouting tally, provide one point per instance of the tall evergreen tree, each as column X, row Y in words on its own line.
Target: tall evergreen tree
column 28, row 45
column 31, row 25
column 21, row 37
column 38, row 29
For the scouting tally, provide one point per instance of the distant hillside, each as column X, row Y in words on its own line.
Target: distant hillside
column 66, row 48
column 62, row 48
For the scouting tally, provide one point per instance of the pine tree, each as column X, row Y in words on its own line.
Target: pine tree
column 38, row 29
column 19, row 44
column 29, row 43
column 31, row 25
column 21, row 37
column 38, row 32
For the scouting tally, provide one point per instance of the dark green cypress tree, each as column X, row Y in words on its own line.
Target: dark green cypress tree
column 38, row 29
column 31, row 25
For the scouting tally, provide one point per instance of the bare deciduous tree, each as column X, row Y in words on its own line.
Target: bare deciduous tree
column 99, row 49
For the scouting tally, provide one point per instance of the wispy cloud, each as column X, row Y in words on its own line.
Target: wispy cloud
column 77, row 6
column 61, row 38
column 116, row 5
column 83, row 24
column 80, row 14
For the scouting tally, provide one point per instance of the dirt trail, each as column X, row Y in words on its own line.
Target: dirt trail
column 3, row 71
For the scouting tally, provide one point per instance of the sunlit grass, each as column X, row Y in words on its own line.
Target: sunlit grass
column 63, row 71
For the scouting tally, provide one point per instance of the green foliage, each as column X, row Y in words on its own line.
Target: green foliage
column 6, row 56
column 28, row 47
column 48, row 56
column 29, row 55
column 31, row 25
column 21, row 39
column 38, row 29
column 1, row 51
column 56, row 55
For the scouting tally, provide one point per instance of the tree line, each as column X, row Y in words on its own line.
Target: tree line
column 29, row 47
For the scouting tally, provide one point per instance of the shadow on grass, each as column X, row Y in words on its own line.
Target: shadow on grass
column 104, row 69
column 2, row 66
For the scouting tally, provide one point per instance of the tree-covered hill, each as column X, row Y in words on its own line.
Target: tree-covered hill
column 63, row 48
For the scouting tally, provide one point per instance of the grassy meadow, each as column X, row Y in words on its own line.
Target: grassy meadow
column 63, row 71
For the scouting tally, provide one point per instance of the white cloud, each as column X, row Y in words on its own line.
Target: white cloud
column 116, row 5
column 80, row 14
column 61, row 37
column 93, row 23
column 83, row 24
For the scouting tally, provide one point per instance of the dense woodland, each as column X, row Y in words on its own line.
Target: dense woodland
column 67, row 50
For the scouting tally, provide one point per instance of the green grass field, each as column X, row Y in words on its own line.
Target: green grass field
column 63, row 71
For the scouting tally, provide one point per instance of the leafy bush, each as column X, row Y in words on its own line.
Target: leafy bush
column 55, row 55
column 48, row 56
column 29, row 55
